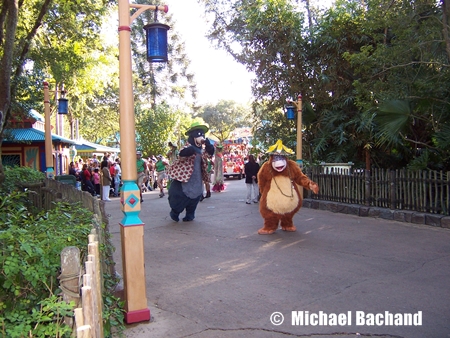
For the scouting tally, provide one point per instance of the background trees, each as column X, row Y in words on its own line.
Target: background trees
column 63, row 41
column 224, row 117
column 373, row 75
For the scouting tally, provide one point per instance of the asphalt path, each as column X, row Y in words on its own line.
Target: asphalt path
column 337, row 276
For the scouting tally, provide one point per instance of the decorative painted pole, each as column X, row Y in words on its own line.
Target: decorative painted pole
column 132, row 228
column 50, row 173
column 299, row 132
column 298, row 105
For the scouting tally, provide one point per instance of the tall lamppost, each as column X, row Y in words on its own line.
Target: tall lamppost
column 290, row 114
column 49, row 172
column 131, row 227
column 62, row 109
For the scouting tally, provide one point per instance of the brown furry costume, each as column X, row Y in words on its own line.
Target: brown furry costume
column 281, row 199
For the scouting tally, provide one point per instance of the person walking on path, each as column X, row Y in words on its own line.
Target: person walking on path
column 160, row 166
column 251, row 169
column 106, row 180
column 140, row 166
column 218, row 170
column 209, row 172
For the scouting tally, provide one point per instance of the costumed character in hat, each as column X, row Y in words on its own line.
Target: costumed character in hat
column 189, row 172
column 218, row 170
column 279, row 182
column 172, row 155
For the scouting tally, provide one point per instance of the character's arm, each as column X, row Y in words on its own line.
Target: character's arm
column 209, row 148
column 301, row 179
column 186, row 152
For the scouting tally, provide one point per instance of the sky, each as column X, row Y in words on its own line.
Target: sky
column 218, row 76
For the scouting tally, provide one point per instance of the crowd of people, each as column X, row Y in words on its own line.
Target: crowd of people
column 102, row 178
column 99, row 178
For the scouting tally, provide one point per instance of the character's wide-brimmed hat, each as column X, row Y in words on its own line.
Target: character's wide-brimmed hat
column 279, row 149
column 138, row 152
column 219, row 146
column 172, row 145
column 197, row 125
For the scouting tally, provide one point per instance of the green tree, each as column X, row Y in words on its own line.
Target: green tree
column 32, row 49
column 224, row 117
column 372, row 75
column 401, row 76
column 156, row 127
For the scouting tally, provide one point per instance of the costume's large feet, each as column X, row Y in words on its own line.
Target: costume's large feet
column 187, row 219
column 262, row 231
column 174, row 216
column 292, row 228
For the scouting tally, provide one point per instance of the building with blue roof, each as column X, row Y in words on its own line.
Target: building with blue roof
column 24, row 145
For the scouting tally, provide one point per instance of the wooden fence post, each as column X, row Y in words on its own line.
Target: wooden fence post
column 392, row 191
column 367, row 190
column 70, row 277
column 94, row 256
column 84, row 331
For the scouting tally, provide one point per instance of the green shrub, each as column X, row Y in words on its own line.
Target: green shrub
column 14, row 176
column 30, row 245
column 30, row 259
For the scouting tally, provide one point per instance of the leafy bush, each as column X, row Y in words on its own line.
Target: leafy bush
column 30, row 244
column 30, row 260
column 16, row 175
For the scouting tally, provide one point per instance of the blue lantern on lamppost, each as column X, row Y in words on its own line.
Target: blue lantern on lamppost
column 290, row 112
column 156, row 40
column 292, row 108
column 63, row 103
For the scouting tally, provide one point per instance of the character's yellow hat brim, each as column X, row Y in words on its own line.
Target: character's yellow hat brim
column 279, row 149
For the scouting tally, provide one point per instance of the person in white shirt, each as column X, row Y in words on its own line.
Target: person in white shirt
column 117, row 177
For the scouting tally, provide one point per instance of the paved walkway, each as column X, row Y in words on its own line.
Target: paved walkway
column 216, row 277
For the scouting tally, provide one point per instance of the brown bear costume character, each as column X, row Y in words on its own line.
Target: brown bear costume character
column 279, row 180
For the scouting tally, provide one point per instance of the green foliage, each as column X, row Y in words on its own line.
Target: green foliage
column 156, row 127
column 352, row 62
column 113, row 309
column 14, row 176
column 31, row 245
column 224, row 117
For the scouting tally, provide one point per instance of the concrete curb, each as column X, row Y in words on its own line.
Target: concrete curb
column 406, row 216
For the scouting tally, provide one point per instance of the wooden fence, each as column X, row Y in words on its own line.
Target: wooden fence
column 422, row 191
column 88, row 318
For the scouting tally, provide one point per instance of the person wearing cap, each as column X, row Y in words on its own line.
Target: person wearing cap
column 172, row 155
column 160, row 167
column 140, row 167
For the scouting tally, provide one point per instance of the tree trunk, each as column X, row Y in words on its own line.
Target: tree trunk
column 308, row 10
column 9, row 19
